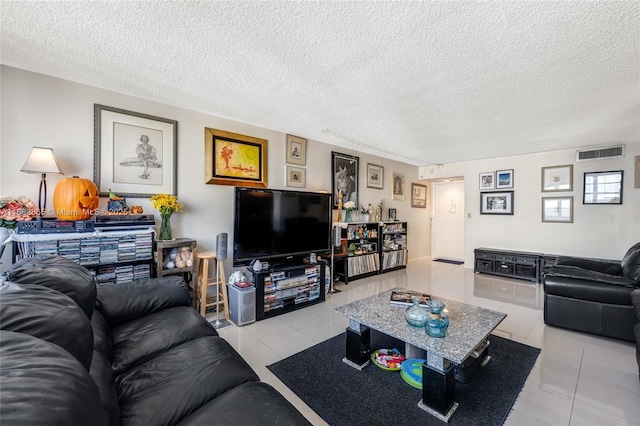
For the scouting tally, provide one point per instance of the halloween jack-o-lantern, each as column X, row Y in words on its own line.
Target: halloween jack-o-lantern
column 75, row 199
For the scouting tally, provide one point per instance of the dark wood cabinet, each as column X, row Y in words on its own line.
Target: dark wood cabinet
column 506, row 263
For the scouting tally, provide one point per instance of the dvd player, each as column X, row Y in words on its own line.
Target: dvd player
column 54, row 226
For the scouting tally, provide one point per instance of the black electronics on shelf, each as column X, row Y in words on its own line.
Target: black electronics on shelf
column 287, row 288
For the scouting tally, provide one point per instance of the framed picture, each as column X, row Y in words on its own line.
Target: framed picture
column 296, row 177
column 375, row 176
column 487, row 180
column 234, row 159
column 603, row 187
column 134, row 154
column 637, row 182
column 393, row 214
column 496, row 202
column 398, row 186
column 296, row 150
column 344, row 169
column 557, row 209
column 504, row 179
column 418, row 195
column 557, row 178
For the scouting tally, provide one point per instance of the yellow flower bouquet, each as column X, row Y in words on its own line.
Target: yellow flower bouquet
column 167, row 205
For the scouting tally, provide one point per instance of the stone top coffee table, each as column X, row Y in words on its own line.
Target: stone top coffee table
column 469, row 328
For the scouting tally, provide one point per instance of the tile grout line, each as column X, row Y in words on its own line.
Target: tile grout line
column 575, row 391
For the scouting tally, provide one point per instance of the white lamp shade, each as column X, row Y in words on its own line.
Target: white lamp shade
column 41, row 160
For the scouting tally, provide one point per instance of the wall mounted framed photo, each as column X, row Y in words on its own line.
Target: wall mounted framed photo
column 418, row 195
column 603, row 187
column 345, row 171
column 557, row 178
column 397, row 180
column 487, row 180
column 296, row 177
column 557, row 209
column 496, row 202
column 234, row 159
column 134, row 154
column 296, row 150
column 504, row 179
column 375, row 176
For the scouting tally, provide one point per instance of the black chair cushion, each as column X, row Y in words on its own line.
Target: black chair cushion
column 104, row 377
column 593, row 291
column 148, row 336
column 589, row 275
column 48, row 315
column 130, row 300
column 249, row 404
column 43, row 384
column 58, row 273
column 189, row 376
column 631, row 263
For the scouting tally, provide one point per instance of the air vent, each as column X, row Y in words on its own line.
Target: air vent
column 597, row 153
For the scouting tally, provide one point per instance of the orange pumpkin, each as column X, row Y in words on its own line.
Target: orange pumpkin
column 75, row 199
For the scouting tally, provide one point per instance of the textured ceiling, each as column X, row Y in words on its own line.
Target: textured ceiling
column 420, row 82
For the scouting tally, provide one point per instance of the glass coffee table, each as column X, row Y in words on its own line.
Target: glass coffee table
column 469, row 329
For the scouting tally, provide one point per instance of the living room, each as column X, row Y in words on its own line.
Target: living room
column 55, row 109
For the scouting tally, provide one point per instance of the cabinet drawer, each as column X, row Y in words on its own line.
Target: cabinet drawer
column 482, row 255
column 526, row 260
column 528, row 271
column 504, row 267
column 504, row 258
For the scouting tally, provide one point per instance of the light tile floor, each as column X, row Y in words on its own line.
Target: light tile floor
column 578, row 379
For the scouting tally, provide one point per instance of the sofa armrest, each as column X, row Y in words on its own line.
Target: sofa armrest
column 578, row 273
column 635, row 299
column 124, row 302
column 609, row 267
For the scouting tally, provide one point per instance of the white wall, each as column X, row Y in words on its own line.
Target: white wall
column 38, row 110
column 603, row 231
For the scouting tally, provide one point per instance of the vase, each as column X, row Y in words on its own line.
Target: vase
column 415, row 315
column 365, row 217
column 347, row 216
column 165, row 228
column 437, row 320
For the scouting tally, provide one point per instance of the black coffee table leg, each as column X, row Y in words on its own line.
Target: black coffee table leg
column 438, row 387
column 358, row 345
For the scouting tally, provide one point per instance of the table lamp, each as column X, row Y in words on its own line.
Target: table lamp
column 43, row 161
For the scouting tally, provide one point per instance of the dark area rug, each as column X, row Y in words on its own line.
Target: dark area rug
column 342, row 395
column 453, row 262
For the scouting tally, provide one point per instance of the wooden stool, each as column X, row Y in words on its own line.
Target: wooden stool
column 202, row 297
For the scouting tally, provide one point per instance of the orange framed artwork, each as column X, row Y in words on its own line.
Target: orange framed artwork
column 235, row 159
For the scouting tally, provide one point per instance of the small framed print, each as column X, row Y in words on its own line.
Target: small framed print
column 557, row 209
column 496, row 202
column 296, row 150
column 296, row 177
column 398, row 186
column 504, row 179
column 375, row 176
column 487, row 180
column 557, row 178
column 418, row 195
column 393, row 214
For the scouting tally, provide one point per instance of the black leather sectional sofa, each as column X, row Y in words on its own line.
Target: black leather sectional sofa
column 126, row 354
column 593, row 295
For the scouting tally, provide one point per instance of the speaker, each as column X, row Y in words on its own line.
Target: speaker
column 221, row 246
column 337, row 236
column 242, row 304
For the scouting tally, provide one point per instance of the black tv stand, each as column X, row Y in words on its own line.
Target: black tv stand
column 285, row 288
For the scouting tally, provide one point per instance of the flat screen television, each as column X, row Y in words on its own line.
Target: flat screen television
column 279, row 225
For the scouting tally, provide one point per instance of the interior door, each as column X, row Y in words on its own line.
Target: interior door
column 447, row 225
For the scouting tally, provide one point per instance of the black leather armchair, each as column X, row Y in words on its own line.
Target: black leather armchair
column 635, row 299
column 593, row 295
